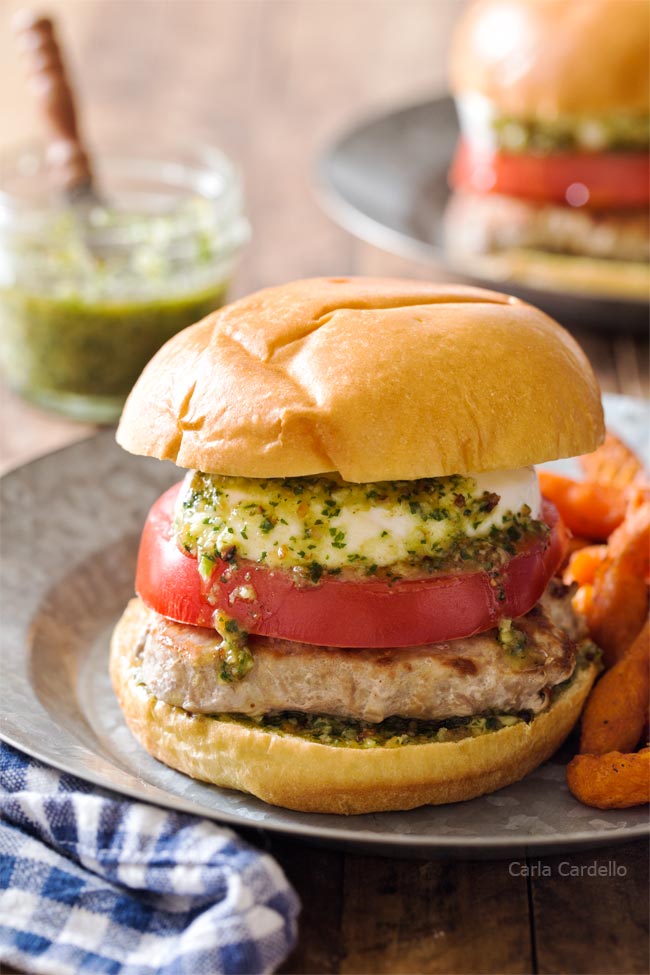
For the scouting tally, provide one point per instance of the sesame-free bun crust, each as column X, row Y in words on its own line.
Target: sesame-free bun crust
column 298, row 774
column 543, row 58
column 376, row 379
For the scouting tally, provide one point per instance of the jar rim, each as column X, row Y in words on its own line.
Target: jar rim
column 203, row 171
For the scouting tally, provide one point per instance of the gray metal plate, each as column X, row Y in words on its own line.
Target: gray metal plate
column 70, row 525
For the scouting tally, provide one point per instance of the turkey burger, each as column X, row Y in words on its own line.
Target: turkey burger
column 347, row 605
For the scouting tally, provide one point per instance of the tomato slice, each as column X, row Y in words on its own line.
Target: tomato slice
column 336, row 612
column 605, row 179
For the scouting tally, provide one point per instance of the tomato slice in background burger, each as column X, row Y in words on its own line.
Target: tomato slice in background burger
column 605, row 179
column 339, row 612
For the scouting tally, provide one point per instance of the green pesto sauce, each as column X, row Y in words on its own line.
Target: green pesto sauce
column 307, row 524
column 70, row 344
column 234, row 655
column 587, row 653
column 521, row 651
column 513, row 640
column 618, row 133
column 324, row 729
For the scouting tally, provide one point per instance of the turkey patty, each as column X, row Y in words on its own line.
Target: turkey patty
column 181, row 664
column 479, row 224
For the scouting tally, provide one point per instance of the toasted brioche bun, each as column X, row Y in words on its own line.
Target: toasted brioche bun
column 375, row 379
column 289, row 771
column 543, row 58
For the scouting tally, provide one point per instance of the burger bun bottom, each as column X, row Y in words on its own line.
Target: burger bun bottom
column 295, row 773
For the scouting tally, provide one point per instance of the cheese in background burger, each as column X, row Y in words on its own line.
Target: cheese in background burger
column 551, row 174
column 391, row 425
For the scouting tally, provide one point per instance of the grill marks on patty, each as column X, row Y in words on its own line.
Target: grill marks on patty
column 461, row 664
column 180, row 665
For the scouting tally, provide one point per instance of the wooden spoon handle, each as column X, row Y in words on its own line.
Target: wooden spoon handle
column 48, row 80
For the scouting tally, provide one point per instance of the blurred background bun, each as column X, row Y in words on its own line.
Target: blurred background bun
column 544, row 58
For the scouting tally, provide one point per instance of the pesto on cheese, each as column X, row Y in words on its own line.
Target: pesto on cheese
column 618, row 132
column 317, row 525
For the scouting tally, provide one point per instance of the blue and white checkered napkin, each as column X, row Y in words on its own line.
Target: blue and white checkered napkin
column 90, row 882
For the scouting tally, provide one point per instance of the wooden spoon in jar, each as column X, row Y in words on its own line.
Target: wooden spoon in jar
column 66, row 155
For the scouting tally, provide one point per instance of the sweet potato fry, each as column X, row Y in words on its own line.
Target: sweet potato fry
column 588, row 509
column 583, row 564
column 611, row 781
column 618, row 605
column 583, row 598
column 615, row 714
column 636, row 521
column 613, row 463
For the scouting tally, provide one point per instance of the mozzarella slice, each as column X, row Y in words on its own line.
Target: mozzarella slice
column 296, row 522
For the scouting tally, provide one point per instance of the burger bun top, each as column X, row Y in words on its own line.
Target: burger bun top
column 376, row 379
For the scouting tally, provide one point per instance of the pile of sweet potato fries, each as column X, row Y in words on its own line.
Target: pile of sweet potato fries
column 609, row 516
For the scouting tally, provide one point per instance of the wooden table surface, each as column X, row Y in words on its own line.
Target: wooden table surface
column 272, row 81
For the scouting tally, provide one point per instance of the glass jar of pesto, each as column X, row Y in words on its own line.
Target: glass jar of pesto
column 89, row 292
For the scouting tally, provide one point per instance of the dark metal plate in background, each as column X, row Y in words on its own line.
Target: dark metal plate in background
column 385, row 181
